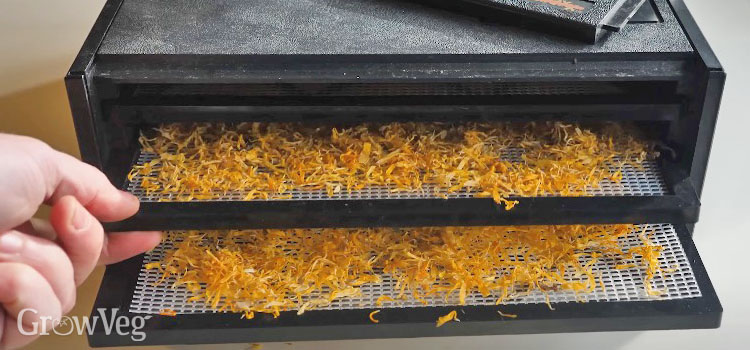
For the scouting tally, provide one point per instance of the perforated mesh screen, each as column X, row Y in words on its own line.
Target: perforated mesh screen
column 618, row 285
column 645, row 180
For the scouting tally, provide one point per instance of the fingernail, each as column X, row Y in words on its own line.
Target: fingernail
column 128, row 194
column 80, row 218
column 10, row 243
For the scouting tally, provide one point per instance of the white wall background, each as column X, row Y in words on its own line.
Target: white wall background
column 39, row 38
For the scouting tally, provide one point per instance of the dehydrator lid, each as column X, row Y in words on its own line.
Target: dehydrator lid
column 354, row 27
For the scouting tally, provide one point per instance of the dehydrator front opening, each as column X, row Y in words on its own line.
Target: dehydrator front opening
column 292, row 175
column 679, row 296
column 337, row 102
column 205, row 93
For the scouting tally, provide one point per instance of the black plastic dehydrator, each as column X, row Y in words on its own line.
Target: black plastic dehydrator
column 351, row 61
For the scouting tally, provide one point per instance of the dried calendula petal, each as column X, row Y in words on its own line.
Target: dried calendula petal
column 451, row 316
column 270, row 271
column 153, row 265
column 383, row 298
column 372, row 316
column 168, row 312
column 269, row 160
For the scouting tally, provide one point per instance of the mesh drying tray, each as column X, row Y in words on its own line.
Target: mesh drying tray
column 651, row 192
column 645, row 180
column 619, row 285
column 689, row 301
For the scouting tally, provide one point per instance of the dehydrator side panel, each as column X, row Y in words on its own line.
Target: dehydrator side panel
column 79, row 86
column 709, row 112
column 694, row 305
column 706, row 99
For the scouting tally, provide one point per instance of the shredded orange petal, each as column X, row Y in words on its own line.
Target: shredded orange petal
column 205, row 161
column 372, row 316
column 270, row 271
column 153, row 265
column 383, row 298
column 168, row 312
column 451, row 316
column 506, row 315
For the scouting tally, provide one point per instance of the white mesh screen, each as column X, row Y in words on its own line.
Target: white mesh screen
column 636, row 181
column 619, row 285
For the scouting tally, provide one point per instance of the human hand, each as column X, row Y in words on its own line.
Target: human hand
column 42, row 263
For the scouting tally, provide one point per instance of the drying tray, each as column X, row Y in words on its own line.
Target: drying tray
column 652, row 192
column 689, row 301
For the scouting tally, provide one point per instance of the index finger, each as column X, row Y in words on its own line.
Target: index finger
column 71, row 177
column 33, row 173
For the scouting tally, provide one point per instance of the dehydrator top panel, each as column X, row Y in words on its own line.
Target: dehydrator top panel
column 351, row 27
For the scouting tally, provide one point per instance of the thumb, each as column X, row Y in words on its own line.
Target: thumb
column 124, row 245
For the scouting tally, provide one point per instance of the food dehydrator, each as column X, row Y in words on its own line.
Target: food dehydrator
column 335, row 62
